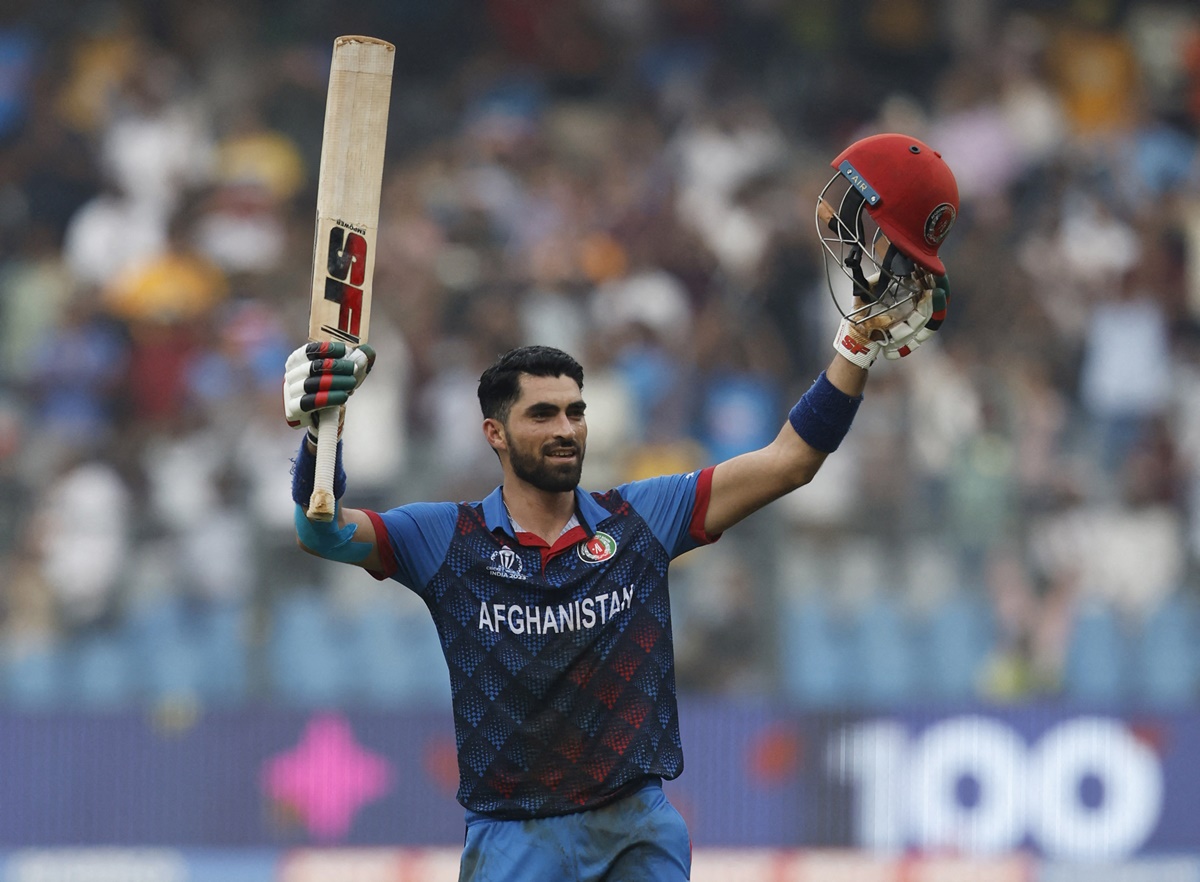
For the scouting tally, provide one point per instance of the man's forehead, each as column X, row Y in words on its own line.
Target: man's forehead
column 560, row 388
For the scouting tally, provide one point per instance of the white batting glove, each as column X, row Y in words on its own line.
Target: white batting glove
column 901, row 338
column 321, row 375
column 923, row 324
column 895, row 335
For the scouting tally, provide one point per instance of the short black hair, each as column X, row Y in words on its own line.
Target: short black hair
column 500, row 384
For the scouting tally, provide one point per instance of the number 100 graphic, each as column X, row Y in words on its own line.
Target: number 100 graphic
column 1087, row 789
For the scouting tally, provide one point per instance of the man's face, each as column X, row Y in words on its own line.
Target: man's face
column 547, row 433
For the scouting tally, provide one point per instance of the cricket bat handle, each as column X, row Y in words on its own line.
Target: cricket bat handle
column 322, row 504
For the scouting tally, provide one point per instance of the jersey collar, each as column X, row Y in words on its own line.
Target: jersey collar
column 590, row 512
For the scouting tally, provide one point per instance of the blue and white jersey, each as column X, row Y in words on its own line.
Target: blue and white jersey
column 561, row 663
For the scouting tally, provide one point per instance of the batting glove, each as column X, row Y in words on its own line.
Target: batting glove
column 321, row 375
column 895, row 336
column 926, row 319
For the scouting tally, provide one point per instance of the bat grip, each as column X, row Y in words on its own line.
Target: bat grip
column 321, row 505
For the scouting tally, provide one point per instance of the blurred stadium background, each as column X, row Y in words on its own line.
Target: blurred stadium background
column 968, row 651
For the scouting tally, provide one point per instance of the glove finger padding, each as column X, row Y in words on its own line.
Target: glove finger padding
column 321, row 375
column 932, row 308
column 941, row 302
column 907, row 334
column 898, row 331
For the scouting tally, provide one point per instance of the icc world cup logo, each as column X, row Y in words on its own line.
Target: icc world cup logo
column 506, row 563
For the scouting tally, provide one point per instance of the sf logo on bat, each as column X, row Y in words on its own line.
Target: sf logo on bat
column 345, row 272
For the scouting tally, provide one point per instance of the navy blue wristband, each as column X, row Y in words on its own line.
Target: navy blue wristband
column 823, row 415
column 304, row 469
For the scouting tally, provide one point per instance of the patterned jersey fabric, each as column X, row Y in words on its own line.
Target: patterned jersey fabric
column 561, row 663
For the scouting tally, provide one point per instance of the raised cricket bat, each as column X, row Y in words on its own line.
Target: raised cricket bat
column 348, row 191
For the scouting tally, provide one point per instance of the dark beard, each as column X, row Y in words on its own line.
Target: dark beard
column 542, row 473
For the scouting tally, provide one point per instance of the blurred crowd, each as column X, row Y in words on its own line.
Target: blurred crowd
column 633, row 181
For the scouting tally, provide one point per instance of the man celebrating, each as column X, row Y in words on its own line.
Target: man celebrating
column 551, row 602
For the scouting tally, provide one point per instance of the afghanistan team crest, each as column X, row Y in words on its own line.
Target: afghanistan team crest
column 597, row 549
column 938, row 224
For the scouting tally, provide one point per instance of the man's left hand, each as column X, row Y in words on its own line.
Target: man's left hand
column 925, row 320
column 321, row 375
column 895, row 335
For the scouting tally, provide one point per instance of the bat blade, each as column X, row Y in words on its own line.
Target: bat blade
column 348, row 193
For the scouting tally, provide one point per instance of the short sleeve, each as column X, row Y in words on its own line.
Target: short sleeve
column 413, row 541
column 674, row 507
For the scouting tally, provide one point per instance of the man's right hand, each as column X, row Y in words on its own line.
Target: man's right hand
column 321, row 375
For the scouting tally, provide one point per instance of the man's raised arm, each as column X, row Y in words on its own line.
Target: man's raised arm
column 318, row 376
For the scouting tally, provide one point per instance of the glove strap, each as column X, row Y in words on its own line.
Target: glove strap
column 823, row 415
column 849, row 343
column 304, row 469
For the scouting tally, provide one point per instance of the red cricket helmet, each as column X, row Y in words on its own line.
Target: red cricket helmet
column 917, row 196
column 910, row 198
